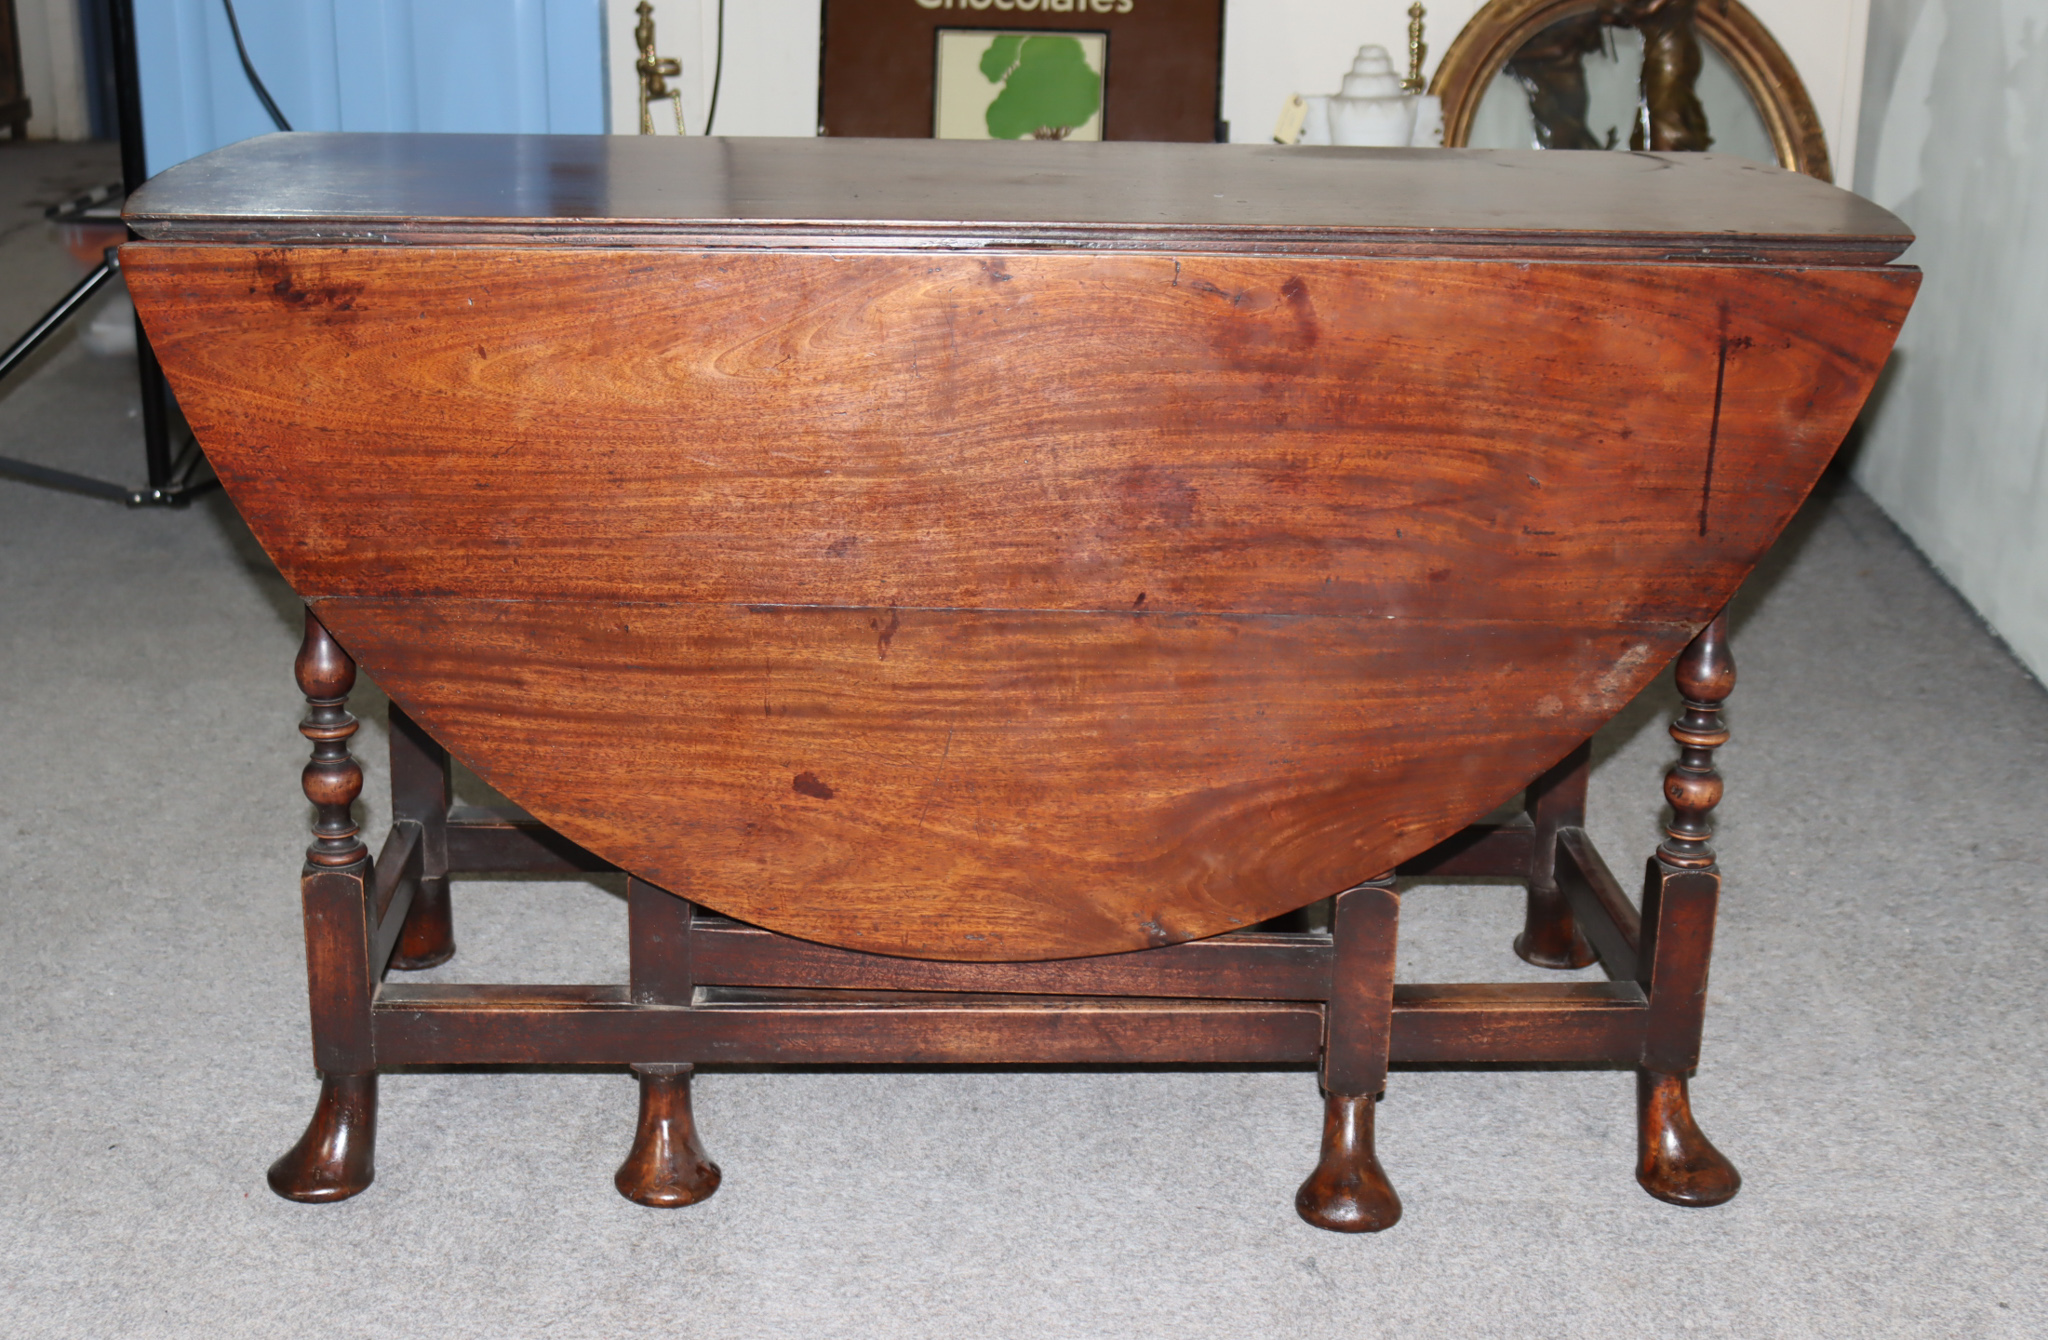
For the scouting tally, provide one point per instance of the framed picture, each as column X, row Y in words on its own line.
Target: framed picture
column 996, row 85
column 1030, row 69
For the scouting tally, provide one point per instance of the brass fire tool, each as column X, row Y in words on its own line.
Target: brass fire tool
column 655, row 72
column 1417, row 49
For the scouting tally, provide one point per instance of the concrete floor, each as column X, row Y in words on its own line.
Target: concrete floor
column 1873, row 1062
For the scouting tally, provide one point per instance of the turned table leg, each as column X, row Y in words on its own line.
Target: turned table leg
column 667, row 1166
column 333, row 1160
column 420, row 793
column 1348, row 1192
column 1550, row 937
column 337, row 1156
column 1682, row 887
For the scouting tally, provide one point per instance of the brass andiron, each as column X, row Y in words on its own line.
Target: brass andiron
column 1417, row 49
column 654, row 72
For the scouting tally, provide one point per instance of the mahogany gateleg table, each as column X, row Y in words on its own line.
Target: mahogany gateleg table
column 977, row 592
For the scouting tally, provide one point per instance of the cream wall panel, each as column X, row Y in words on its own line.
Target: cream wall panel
column 1956, row 442
column 53, row 69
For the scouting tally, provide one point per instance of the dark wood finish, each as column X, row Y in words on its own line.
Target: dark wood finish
column 695, row 192
column 1705, row 674
column 1272, row 806
column 1582, row 1023
column 420, row 794
column 1358, row 1021
column 333, row 1159
column 1004, row 580
column 659, row 941
column 1163, row 76
column 1480, row 851
column 332, row 778
column 394, row 892
column 338, row 966
column 1568, row 1023
column 425, row 1024
column 1610, row 922
column 337, row 1156
column 1555, row 801
column 1246, row 965
column 335, row 884
column 507, row 840
column 1682, row 885
column 1348, row 1192
column 1674, row 1161
column 397, row 865
column 1261, row 669
column 667, row 1167
column 1678, row 939
column 1681, row 890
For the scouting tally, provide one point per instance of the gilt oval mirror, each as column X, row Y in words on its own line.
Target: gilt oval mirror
column 1621, row 74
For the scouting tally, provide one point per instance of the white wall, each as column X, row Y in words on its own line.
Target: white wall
column 53, row 69
column 770, row 85
column 1274, row 48
column 1825, row 40
column 1271, row 50
column 1955, row 125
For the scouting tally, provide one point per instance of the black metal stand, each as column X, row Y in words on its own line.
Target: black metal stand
column 173, row 480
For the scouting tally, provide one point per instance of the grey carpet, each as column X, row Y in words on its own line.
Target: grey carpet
column 1873, row 1053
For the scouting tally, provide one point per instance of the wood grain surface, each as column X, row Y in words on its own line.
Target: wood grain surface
column 1009, row 606
column 686, row 191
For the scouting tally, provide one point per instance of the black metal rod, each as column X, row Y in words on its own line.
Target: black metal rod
column 156, row 418
column 127, row 94
column 170, row 482
column 31, row 473
column 156, row 425
column 56, row 316
column 187, row 461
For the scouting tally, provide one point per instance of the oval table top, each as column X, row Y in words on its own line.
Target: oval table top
column 1099, row 569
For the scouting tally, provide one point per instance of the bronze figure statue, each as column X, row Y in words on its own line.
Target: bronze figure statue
column 1551, row 68
column 1670, row 111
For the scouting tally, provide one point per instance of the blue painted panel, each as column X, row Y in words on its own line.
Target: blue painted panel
column 449, row 65
column 375, row 47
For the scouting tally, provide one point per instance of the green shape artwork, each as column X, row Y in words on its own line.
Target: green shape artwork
column 1048, row 88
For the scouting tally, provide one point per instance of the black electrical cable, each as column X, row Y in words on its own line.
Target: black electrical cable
column 255, row 81
column 717, row 68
